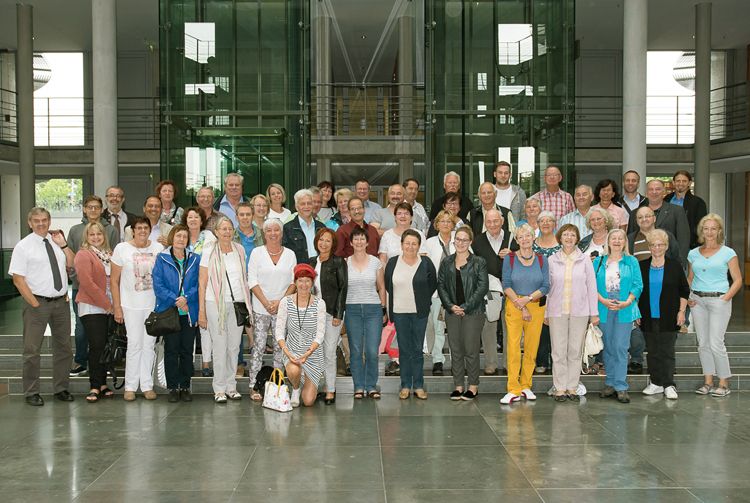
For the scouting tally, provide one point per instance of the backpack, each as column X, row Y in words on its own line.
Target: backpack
column 512, row 256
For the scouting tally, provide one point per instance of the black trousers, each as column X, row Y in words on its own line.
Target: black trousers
column 544, row 353
column 178, row 355
column 96, row 326
column 661, row 354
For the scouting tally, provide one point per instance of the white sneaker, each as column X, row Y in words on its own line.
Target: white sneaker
column 509, row 398
column 653, row 389
column 295, row 397
column 528, row 394
column 670, row 392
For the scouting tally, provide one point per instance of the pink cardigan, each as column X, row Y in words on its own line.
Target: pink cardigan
column 584, row 299
column 93, row 279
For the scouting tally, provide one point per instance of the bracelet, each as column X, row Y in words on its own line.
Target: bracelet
column 63, row 247
column 681, row 311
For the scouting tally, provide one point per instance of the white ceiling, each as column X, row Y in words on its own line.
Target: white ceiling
column 65, row 25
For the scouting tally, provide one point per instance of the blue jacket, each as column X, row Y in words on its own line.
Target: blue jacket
column 630, row 282
column 167, row 281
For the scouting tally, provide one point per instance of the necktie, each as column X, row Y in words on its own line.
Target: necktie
column 117, row 224
column 53, row 264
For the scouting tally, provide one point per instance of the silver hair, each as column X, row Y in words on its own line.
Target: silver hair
column 316, row 190
column 271, row 222
column 38, row 210
column 523, row 229
column 591, row 191
column 220, row 221
column 452, row 173
column 534, row 198
column 609, row 220
column 302, row 193
column 237, row 175
column 546, row 214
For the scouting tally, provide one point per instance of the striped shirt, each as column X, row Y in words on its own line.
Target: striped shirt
column 560, row 203
column 578, row 220
column 362, row 287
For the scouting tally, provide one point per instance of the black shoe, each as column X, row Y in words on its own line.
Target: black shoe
column 437, row 369
column 174, row 396
column 635, row 368
column 574, row 398
column 78, row 371
column 391, row 369
column 331, row 401
column 623, row 397
column 468, row 395
column 456, row 395
column 186, row 395
column 559, row 398
column 35, row 400
column 504, row 372
column 608, row 391
column 348, row 370
column 64, row 395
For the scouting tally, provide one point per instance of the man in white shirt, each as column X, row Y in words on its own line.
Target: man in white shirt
column 508, row 195
column 362, row 189
column 411, row 190
column 38, row 269
column 631, row 199
column 583, row 198
column 114, row 214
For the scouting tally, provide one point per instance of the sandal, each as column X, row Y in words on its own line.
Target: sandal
column 706, row 389
column 375, row 394
column 220, row 398
column 92, row 397
column 602, row 371
column 359, row 394
column 107, row 393
column 256, row 396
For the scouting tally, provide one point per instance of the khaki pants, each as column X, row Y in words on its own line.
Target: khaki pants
column 56, row 314
column 566, row 335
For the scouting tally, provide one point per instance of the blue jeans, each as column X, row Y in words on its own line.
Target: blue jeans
column 637, row 345
column 82, row 342
column 364, row 328
column 410, row 331
column 616, row 338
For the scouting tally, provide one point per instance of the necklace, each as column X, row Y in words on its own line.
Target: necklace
column 277, row 253
column 657, row 268
column 299, row 319
column 526, row 258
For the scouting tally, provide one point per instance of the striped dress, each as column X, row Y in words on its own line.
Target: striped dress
column 300, row 338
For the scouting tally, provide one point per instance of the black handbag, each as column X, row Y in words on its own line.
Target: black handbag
column 241, row 311
column 168, row 321
column 115, row 349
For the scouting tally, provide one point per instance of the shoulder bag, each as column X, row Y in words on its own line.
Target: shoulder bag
column 168, row 321
column 241, row 312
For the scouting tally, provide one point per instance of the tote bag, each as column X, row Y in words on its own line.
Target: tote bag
column 276, row 396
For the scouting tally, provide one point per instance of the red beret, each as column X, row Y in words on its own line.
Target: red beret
column 304, row 271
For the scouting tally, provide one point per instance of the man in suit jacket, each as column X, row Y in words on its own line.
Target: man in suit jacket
column 486, row 203
column 668, row 216
column 114, row 214
column 695, row 207
column 493, row 246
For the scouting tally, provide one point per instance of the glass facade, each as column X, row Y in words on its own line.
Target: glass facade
column 499, row 86
column 234, row 93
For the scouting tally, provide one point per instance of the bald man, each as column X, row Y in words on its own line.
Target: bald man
column 487, row 203
column 554, row 199
column 384, row 218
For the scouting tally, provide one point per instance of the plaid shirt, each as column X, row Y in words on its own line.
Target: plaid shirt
column 213, row 218
column 560, row 203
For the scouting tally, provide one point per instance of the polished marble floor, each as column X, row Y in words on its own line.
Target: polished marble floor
column 651, row 450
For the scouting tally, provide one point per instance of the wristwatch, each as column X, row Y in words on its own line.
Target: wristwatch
column 531, row 299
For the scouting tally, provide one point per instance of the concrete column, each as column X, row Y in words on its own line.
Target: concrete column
column 104, row 69
column 324, row 169
column 635, row 45
column 405, row 71
column 405, row 169
column 702, row 100
column 25, row 110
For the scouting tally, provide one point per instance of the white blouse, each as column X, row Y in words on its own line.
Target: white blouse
column 274, row 279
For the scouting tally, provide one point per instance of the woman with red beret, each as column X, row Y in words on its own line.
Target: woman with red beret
column 300, row 330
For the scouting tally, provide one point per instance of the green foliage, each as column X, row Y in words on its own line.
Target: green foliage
column 60, row 195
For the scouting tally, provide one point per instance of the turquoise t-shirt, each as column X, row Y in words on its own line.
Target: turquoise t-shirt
column 182, row 265
column 710, row 274
column 655, row 280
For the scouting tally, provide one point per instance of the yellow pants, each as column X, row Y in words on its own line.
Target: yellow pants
column 519, row 378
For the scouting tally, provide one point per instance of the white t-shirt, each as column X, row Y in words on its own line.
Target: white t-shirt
column 503, row 197
column 281, row 216
column 274, row 279
column 136, row 282
column 234, row 277
column 317, row 278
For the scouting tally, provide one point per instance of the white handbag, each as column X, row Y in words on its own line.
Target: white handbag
column 158, row 372
column 493, row 304
column 592, row 343
column 276, row 396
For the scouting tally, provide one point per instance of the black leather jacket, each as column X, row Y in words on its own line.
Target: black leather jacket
column 473, row 277
column 333, row 283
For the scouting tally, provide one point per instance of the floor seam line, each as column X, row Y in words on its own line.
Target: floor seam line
column 380, row 451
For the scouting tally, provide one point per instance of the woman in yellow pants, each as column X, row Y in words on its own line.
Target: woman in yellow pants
column 526, row 282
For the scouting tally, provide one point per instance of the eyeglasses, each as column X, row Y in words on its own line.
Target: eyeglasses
column 93, row 207
column 658, row 245
column 356, row 209
column 403, row 214
column 447, row 222
column 205, row 196
column 114, row 196
column 461, row 240
column 644, row 217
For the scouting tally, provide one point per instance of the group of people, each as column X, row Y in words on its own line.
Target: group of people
column 533, row 271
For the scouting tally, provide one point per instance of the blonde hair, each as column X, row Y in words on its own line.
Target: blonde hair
column 523, row 229
column 275, row 186
column 85, row 244
column 657, row 235
column 439, row 217
column 719, row 221
column 625, row 250
column 609, row 220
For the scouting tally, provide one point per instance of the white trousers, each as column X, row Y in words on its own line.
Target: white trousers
column 206, row 346
column 330, row 344
column 226, row 347
column 139, row 358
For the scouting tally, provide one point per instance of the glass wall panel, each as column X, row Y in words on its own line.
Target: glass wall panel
column 234, row 77
column 499, row 75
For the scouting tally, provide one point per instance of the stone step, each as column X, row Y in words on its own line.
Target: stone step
column 686, row 383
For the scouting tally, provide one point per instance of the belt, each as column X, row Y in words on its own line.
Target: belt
column 708, row 294
column 51, row 299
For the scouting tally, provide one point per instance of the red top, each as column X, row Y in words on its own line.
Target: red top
column 345, row 249
column 92, row 278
